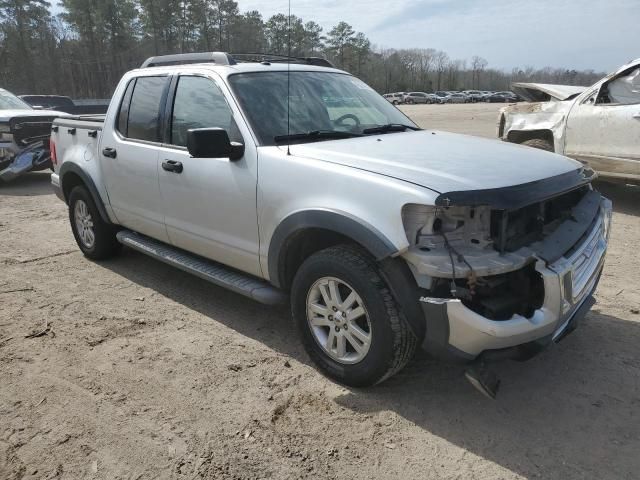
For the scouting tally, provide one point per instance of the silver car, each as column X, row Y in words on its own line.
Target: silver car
column 418, row 97
column 381, row 236
column 455, row 98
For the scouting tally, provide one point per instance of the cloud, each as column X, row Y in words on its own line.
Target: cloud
column 601, row 35
column 425, row 9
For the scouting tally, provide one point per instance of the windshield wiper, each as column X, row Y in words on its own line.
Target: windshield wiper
column 390, row 127
column 316, row 135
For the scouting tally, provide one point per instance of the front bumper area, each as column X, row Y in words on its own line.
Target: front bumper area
column 17, row 162
column 454, row 331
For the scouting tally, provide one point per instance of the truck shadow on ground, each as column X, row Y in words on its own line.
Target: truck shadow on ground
column 625, row 198
column 569, row 413
column 28, row 185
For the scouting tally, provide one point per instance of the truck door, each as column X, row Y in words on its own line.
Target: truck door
column 603, row 129
column 129, row 152
column 210, row 203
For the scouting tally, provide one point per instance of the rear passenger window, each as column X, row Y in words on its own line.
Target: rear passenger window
column 123, row 114
column 199, row 103
column 144, row 109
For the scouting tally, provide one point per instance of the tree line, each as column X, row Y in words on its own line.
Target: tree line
column 83, row 50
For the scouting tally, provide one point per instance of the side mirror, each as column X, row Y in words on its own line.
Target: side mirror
column 213, row 143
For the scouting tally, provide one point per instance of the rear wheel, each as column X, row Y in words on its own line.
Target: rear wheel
column 539, row 143
column 95, row 237
column 349, row 322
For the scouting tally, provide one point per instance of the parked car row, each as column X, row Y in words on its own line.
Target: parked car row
column 442, row 96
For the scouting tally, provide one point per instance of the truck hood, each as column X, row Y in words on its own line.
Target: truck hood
column 441, row 161
column 6, row 115
column 544, row 92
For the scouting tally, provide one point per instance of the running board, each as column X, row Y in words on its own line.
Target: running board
column 208, row 270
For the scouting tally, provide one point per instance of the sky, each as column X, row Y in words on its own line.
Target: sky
column 581, row 34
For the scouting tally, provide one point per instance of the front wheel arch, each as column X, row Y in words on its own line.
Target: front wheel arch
column 304, row 233
column 521, row 136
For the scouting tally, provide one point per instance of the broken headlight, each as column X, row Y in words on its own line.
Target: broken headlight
column 430, row 227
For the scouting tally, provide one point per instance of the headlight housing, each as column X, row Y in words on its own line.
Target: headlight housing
column 5, row 127
column 426, row 226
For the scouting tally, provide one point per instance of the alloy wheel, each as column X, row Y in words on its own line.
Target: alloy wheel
column 84, row 224
column 339, row 320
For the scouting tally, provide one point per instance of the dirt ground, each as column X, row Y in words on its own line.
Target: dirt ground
column 146, row 372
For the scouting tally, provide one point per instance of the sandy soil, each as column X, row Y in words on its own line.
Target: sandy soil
column 146, row 372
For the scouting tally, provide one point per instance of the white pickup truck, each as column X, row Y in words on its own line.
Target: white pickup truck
column 598, row 125
column 298, row 181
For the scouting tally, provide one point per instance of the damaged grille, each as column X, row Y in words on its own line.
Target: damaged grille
column 499, row 297
column 514, row 229
column 26, row 130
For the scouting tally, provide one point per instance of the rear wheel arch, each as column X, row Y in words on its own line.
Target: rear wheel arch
column 71, row 176
column 304, row 233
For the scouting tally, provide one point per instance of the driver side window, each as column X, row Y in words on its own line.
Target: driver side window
column 622, row 90
column 199, row 103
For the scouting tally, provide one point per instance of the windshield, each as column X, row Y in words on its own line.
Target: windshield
column 319, row 102
column 9, row 101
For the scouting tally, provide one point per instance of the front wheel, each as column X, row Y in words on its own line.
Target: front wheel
column 95, row 237
column 539, row 143
column 349, row 322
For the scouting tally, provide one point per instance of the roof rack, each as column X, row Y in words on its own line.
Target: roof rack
column 222, row 58
column 219, row 58
column 277, row 58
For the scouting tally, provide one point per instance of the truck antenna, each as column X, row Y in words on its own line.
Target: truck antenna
column 289, row 83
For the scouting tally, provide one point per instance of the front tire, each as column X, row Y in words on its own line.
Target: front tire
column 95, row 237
column 349, row 322
column 539, row 143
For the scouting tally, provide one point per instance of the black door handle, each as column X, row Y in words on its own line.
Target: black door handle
column 172, row 166
column 109, row 152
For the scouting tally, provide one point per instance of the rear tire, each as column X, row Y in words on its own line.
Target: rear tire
column 538, row 143
column 95, row 237
column 383, row 344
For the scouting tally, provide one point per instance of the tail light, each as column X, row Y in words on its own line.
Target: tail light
column 52, row 149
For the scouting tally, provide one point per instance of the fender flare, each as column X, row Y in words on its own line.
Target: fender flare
column 374, row 241
column 69, row 167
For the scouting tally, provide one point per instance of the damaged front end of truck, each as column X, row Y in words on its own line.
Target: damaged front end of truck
column 504, row 273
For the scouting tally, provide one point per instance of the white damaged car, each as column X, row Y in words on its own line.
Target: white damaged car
column 598, row 125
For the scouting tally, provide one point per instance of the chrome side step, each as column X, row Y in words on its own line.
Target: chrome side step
column 213, row 272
